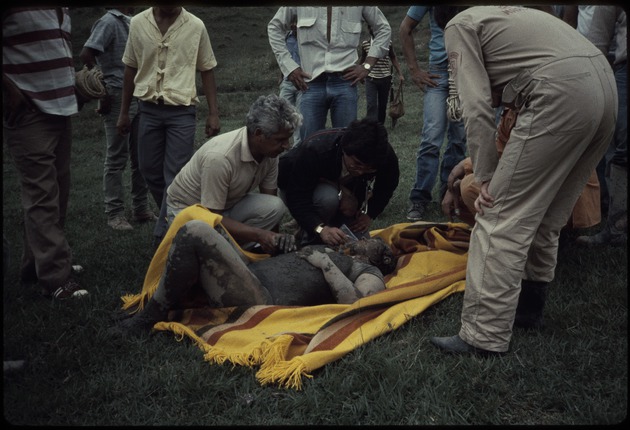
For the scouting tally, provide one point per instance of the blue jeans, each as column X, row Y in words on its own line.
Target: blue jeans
column 435, row 124
column 293, row 95
column 119, row 150
column 166, row 137
column 617, row 152
column 329, row 91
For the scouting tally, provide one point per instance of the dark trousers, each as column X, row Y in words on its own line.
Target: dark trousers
column 166, row 138
column 376, row 95
column 40, row 146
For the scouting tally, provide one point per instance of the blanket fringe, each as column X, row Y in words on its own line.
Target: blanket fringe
column 134, row 302
column 219, row 356
column 275, row 350
column 250, row 359
column 287, row 374
column 276, row 368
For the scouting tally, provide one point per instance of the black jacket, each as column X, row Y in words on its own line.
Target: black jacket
column 320, row 157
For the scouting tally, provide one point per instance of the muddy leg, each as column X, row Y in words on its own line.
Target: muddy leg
column 199, row 254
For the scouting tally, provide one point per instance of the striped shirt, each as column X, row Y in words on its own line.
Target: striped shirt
column 383, row 66
column 37, row 57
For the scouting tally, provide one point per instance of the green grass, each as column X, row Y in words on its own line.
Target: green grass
column 574, row 371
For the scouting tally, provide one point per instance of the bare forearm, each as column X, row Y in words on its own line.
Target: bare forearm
column 406, row 40
column 210, row 91
column 128, row 89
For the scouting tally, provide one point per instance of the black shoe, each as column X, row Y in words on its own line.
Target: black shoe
column 531, row 303
column 71, row 289
column 416, row 212
column 455, row 345
column 157, row 240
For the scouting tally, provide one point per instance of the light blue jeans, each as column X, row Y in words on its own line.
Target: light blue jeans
column 435, row 124
column 119, row 150
column 328, row 92
column 618, row 150
column 293, row 95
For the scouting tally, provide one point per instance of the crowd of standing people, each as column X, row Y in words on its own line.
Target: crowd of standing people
column 566, row 104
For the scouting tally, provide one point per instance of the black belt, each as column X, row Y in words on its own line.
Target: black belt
column 327, row 75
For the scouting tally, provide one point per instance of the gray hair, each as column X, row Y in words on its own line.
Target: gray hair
column 272, row 114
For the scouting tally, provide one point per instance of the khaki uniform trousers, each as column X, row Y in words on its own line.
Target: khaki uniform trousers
column 561, row 133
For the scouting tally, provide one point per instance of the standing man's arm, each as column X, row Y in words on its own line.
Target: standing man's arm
column 88, row 57
column 15, row 102
column 213, row 125
column 379, row 47
column 395, row 63
column 570, row 15
column 382, row 34
column 124, row 122
column 418, row 76
column 277, row 29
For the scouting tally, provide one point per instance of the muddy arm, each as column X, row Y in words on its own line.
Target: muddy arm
column 344, row 290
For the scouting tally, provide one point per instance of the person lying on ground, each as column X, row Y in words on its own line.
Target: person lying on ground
column 203, row 261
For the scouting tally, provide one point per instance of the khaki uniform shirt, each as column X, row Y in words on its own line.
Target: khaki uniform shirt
column 509, row 47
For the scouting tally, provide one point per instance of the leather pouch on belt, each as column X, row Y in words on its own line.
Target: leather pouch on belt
column 512, row 96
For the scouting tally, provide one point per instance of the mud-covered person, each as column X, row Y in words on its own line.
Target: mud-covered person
column 202, row 258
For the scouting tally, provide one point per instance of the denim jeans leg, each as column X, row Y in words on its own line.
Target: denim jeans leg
column 289, row 92
column 139, row 189
column 344, row 98
column 454, row 152
column 434, row 123
column 116, row 155
column 314, row 108
column 619, row 154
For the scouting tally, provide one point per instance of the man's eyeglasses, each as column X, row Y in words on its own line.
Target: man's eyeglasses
column 354, row 165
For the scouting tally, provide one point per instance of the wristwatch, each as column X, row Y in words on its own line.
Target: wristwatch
column 366, row 66
column 319, row 229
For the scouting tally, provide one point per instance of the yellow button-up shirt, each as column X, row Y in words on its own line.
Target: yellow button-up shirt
column 167, row 64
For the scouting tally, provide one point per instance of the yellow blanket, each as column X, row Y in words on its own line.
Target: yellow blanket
column 287, row 342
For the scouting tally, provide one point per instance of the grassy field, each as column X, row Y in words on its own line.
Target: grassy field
column 573, row 371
